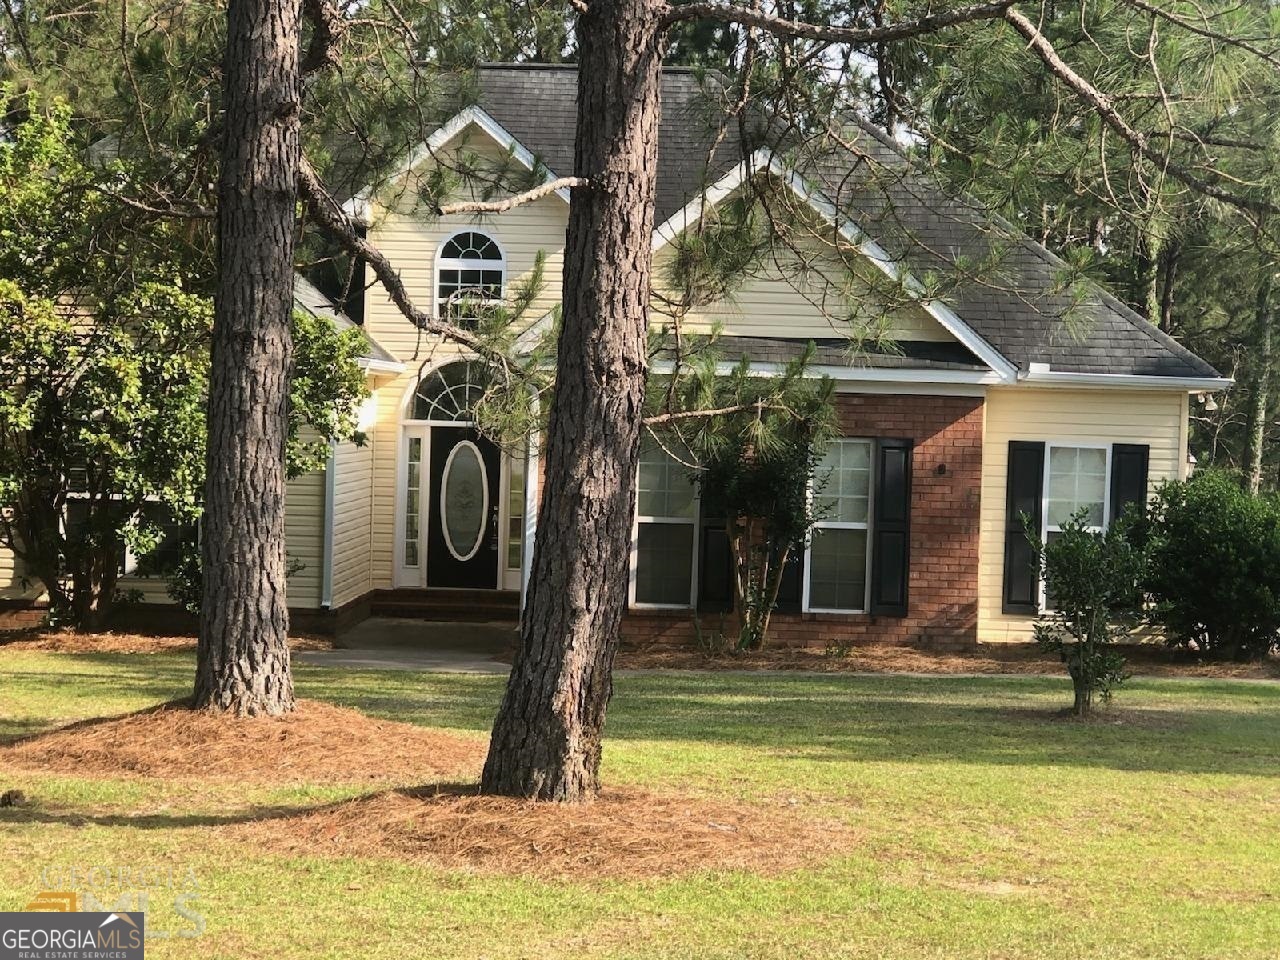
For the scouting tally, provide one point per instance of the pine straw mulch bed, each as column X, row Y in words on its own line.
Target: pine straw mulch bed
column 318, row 743
column 49, row 640
column 1147, row 659
column 626, row 833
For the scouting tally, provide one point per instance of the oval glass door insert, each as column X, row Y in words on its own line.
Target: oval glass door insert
column 464, row 500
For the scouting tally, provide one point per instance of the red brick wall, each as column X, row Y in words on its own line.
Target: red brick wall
column 942, row 610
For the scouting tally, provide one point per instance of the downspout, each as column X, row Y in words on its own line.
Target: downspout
column 330, row 495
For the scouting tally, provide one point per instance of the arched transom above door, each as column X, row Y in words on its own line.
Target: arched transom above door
column 450, row 393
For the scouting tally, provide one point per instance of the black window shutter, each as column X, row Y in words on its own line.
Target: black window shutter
column 715, row 569
column 1128, row 477
column 1022, row 496
column 891, row 529
column 792, row 583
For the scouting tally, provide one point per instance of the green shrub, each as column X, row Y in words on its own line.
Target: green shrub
column 1092, row 581
column 1214, row 575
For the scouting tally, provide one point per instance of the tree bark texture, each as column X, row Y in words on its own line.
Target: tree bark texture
column 1259, row 397
column 547, row 735
column 243, row 659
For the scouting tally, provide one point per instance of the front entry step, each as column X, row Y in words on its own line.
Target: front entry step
column 388, row 633
column 449, row 606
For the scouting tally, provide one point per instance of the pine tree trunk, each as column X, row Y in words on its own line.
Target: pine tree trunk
column 243, row 659
column 1260, row 396
column 547, row 735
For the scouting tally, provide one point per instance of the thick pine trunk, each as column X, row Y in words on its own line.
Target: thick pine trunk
column 243, row 660
column 547, row 735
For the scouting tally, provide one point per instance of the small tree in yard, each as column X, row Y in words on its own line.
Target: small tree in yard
column 1214, row 574
column 757, row 473
column 1092, row 586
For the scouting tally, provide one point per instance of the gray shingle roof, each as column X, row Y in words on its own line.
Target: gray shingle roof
column 1016, row 304
column 1014, row 296
column 537, row 104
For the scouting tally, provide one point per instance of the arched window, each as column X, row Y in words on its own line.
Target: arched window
column 450, row 393
column 470, row 270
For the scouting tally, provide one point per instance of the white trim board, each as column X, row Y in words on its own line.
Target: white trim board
column 1066, row 378
column 358, row 206
column 844, row 375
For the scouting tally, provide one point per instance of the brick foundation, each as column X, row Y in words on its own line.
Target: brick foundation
column 945, row 491
column 21, row 614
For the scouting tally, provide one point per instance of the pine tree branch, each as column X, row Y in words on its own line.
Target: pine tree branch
column 510, row 203
column 661, row 419
column 780, row 26
column 1205, row 32
column 1106, row 109
column 328, row 27
column 342, row 229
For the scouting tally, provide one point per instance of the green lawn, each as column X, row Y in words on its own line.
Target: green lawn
column 987, row 827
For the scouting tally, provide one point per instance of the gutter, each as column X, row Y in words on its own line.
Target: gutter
column 1041, row 375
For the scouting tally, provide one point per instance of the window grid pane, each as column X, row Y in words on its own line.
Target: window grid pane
column 664, row 563
column 666, row 509
column 843, row 483
column 665, row 490
column 1077, row 480
column 515, row 514
column 469, row 276
column 838, row 569
column 838, row 551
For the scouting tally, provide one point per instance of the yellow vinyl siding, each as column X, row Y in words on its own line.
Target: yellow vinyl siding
column 353, row 520
column 11, row 584
column 1155, row 418
column 784, row 300
column 410, row 240
column 304, row 538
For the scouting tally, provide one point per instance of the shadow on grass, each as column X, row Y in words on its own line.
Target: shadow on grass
column 35, row 814
column 1203, row 726
column 1209, row 726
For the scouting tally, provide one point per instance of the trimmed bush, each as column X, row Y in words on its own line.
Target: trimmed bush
column 1091, row 581
column 1214, row 575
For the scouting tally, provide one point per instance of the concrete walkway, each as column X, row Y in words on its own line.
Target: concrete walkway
column 386, row 643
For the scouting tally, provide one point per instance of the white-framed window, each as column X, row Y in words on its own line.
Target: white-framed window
column 1076, row 478
column 663, row 568
column 174, row 540
column 471, row 271
column 837, row 573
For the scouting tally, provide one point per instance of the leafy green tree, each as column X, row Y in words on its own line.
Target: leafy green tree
column 1093, row 601
column 104, row 355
